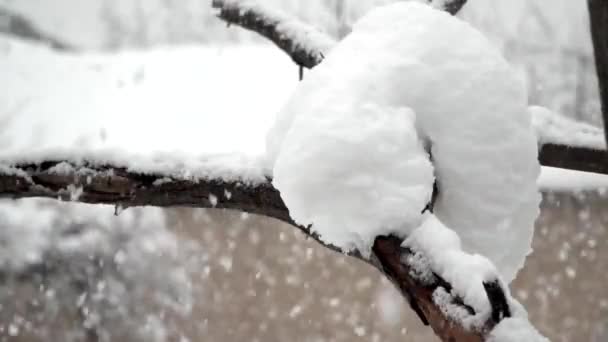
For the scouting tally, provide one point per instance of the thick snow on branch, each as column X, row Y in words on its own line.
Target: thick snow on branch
column 306, row 44
column 568, row 144
column 166, row 112
column 349, row 129
column 554, row 128
column 110, row 118
column 474, row 282
column 163, row 128
column 436, row 251
column 169, row 113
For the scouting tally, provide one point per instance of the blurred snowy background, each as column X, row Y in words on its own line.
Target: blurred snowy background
column 74, row 272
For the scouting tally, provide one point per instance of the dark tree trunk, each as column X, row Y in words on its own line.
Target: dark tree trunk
column 598, row 13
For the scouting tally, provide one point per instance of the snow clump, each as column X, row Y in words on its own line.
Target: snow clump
column 351, row 151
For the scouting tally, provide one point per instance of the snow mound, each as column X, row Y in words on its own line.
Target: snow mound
column 389, row 177
column 412, row 62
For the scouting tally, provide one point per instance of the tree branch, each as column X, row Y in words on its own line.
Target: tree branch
column 305, row 44
column 568, row 144
column 393, row 261
column 291, row 37
column 17, row 25
column 116, row 185
column 574, row 158
column 598, row 14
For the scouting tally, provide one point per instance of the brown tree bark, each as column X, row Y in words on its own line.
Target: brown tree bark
column 574, row 158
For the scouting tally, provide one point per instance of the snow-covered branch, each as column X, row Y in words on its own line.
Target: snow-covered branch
column 305, row 44
column 394, row 259
column 437, row 296
column 90, row 183
column 568, row 144
column 563, row 142
column 117, row 185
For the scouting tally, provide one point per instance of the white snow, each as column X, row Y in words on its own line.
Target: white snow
column 193, row 112
column 91, row 110
column 438, row 249
column 367, row 159
column 336, row 141
column 554, row 179
column 552, row 127
column 186, row 112
column 516, row 328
